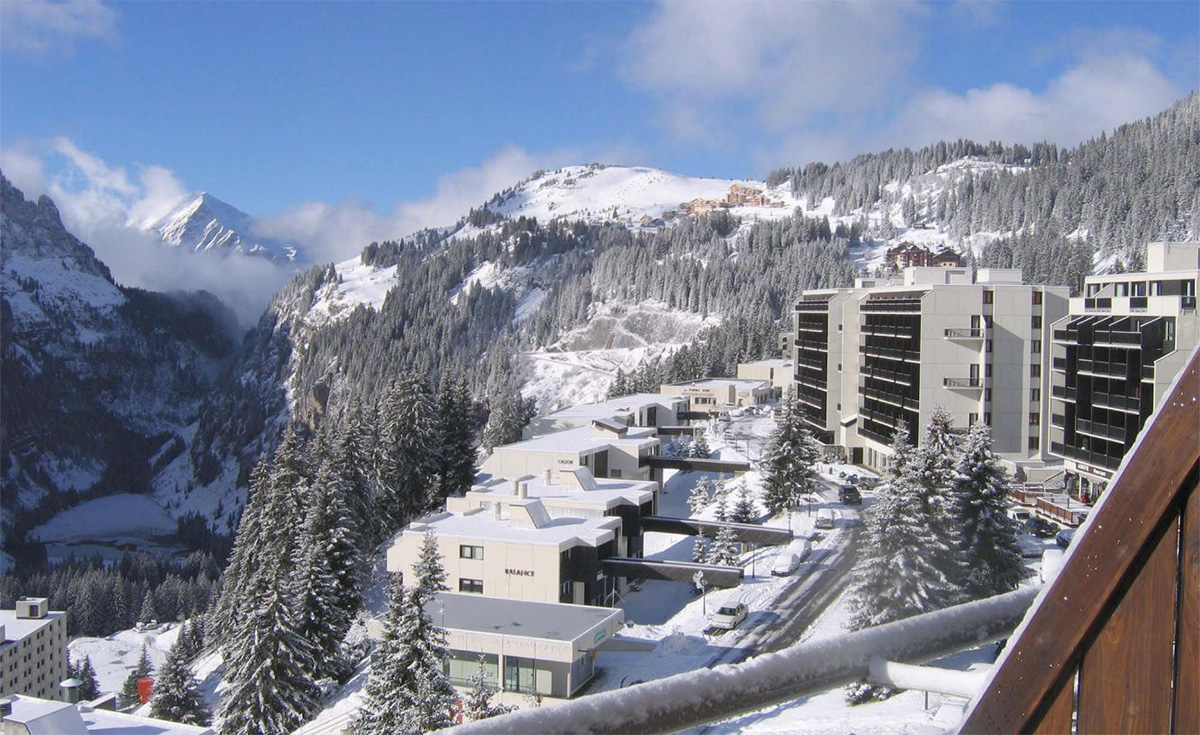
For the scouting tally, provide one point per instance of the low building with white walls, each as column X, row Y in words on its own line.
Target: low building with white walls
column 884, row 354
column 713, row 395
column 642, row 410
column 513, row 548
column 776, row 372
column 33, row 649
column 22, row 715
column 542, row 650
column 605, row 446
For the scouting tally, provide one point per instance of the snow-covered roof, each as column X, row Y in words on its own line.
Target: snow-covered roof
column 615, row 406
column 601, row 492
column 48, row 717
column 17, row 628
column 480, row 524
column 718, row 383
column 776, row 362
column 582, row 439
column 542, row 620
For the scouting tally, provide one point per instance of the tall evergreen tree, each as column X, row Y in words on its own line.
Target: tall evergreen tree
column 129, row 696
column 931, row 469
column 149, row 611
column 355, row 461
column 724, row 546
column 89, row 687
column 744, row 510
column 458, row 451
column 988, row 536
column 177, row 696
column 429, row 570
column 407, row 471
column 701, row 495
column 700, row 548
column 790, row 460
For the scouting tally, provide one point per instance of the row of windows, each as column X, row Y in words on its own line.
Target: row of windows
column 990, row 296
column 470, row 552
column 474, row 586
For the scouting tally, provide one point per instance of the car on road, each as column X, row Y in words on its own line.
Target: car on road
column 727, row 617
column 785, row 564
column 1039, row 527
column 849, row 495
column 1063, row 537
column 1020, row 515
column 825, row 518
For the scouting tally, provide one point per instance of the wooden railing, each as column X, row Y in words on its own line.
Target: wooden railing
column 1114, row 645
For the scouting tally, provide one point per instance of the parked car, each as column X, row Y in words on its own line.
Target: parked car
column 801, row 547
column 1041, row 528
column 825, row 518
column 727, row 617
column 849, row 495
column 1020, row 515
column 1063, row 537
column 785, row 564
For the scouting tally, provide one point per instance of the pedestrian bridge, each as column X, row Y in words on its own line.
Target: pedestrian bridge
column 715, row 575
column 744, row 532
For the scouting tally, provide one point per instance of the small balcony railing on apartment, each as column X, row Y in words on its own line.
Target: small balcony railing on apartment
column 967, row 333
column 962, row 382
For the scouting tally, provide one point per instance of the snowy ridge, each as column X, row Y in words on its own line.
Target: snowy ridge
column 202, row 223
column 357, row 285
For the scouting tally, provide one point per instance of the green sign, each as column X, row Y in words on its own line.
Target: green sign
column 600, row 636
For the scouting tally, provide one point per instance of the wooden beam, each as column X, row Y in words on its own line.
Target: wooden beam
column 1187, row 647
column 1147, row 490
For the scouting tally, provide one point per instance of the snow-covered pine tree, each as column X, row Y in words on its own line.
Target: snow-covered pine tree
column 149, row 612
column 89, row 688
column 790, row 460
column 177, row 696
column 455, row 454
column 128, row 696
column 620, row 385
column 902, row 450
column 931, row 467
column 988, row 536
column 327, row 574
column 407, row 691
column 406, row 453
column 699, row 447
column 898, row 573
column 247, row 548
column 429, row 571
column 701, row 495
column 478, row 704
column 354, row 457
column 700, row 548
column 724, row 546
column 744, row 510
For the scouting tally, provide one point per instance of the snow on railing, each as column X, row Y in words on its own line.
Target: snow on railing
column 709, row 695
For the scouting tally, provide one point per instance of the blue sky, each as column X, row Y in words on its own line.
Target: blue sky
column 387, row 115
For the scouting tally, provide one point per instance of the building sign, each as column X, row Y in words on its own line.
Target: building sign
column 600, row 634
column 566, row 461
column 519, row 572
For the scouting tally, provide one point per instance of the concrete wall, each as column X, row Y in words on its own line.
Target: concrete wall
column 46, row 667
column 499, row 568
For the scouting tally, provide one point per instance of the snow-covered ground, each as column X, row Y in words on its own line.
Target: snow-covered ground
column 106, row 526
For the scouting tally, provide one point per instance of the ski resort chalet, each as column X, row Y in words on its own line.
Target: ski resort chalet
column 777, row 372
column 713, row 395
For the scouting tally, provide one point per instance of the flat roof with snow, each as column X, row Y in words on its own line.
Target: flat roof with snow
column 719, row 383
column 550, row 621
column 586, row 490
column 17, row 628
column 537, row 527
column 614, row 406
column 582, row 439
column 774, row 362
column 48, row 717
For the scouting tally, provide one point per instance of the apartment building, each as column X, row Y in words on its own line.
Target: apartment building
column 776, row 372
column 882, row 355
column 714, row 395
column 606, row 446
column 1114, row 357
column 33, row 651
column 514, row 548
column 640, row 410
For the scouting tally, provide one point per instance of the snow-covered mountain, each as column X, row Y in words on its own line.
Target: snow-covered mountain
column 100, row 382
column 203, row 223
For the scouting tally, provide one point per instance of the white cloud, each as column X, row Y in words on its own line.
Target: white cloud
column 1097, row 94
column 335, row 232
column 791, row 60
column 36, row 27
column 24, row 169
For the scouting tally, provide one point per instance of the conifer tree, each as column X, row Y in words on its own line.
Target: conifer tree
column 177, row 696
column 744, row 510
column 407, row 472
column 478, row 704
column 988, row 536
column 931, row 469
column 89, row 688
column 429, row 570
column 620, row 385
column 149, row 612
column 354, row 462
column 790, row 460
column 701, row 495
column 699, row 447
column 129, row 696
column 700, row 548
column 724, row 546
column 458, row 451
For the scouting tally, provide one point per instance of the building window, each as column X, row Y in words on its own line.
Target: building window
column 987, row 418
column 474, row 586
column 1037, row 298
column 987, row 394
column 1035, row 347
column 839, row 367
column 989, row 345
column 565, row 591
column 1035, row 419
column 1035, row 395
column 1033, row 443
column 988, row 296
column 1035, row 322
column 987, row 370
column 972, row 419
column 839, row 407
column 470, row 552
column 1035, row 370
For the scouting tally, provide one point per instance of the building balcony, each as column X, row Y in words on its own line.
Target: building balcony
column 1058, row 420
column 1104, row 431
column 1066, row 335
column 891, row 353
column 1064, row 392
column 972, row 333
column 891, row 376
column 1116, row 401
column 1059, row 363
column 895, row 399
column 1097, row 304
column 969, row 383
column 1095, row 459
column 1120, row 339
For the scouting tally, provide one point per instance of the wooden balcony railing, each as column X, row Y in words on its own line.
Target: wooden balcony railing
column 1113, row 646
